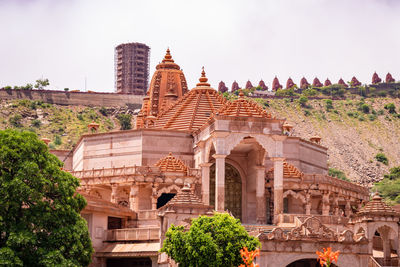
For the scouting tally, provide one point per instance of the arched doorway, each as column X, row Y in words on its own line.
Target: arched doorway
column 306, row 263
column 164, row 199
column 233, row 190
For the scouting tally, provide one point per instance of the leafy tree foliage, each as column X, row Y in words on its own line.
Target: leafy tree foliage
column 303, row 101
column 40, row 222
column 42, row 83
column 210, row 241
column 125, row 121
column 390, row 107
column 389, row 186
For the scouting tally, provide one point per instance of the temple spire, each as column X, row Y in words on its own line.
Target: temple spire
column 168, row 57
column 203, row 79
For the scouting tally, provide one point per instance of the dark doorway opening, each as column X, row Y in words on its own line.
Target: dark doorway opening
column 164, row 198
column 129, row 262
column 307, row 263
column 114, row 223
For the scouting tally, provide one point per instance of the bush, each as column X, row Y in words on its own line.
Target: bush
column 338, row 174
column 372, row 117
column 382, row 158
column 15, row 121
column 103, row 111
column 36, row 123
column 382, row 93
column 125, row 121
column 390, row 107
column 80, row 117
column 361, row 118
column 310, row 92
column 307, row 113
column 303, row 101
column 329, row 104
column 57, row 140
column 381, row 112
column 365, row 108
column 350, row 114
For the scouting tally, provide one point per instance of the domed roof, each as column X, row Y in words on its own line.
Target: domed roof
column 192, row 111
column 377, row 207
column 167, row 85
column 242, row 107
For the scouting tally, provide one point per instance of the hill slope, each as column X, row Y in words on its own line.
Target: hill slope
column 352, row 135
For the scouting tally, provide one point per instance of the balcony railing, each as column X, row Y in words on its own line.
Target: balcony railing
column 133, row 234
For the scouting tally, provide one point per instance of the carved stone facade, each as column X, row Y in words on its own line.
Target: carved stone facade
column 204, row 153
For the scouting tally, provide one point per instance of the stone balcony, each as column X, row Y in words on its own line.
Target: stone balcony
column 133, row 234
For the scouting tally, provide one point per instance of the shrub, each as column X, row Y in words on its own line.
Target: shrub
column 57, row 140
column 80, row 117
column 310, row 92
column 382, row 93
column 125, row 121
column 365, row 108
column 15, row 121
column 103, row 111
column 361, row 118
column 307, row 113
column 350, row 114
column 390, row 107
column 36, row 123
column 329, row 104
column 338, row 174
column 372, row 117
column 382, row 158
column 380, row 112
column 303, row 101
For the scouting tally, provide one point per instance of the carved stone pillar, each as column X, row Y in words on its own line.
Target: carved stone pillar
column 205, row 182
column 133, row 197
column 278, row 187
column 219, row 182
column 308, row 203
column 114, row 188
column 336, row 205
column 260, row 194
column 347, row 210
column 325, row 203
column 154, row 197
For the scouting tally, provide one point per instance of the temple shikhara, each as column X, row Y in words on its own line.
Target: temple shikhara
column 192, row 152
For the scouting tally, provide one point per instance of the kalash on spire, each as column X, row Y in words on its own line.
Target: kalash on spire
column 167, row 85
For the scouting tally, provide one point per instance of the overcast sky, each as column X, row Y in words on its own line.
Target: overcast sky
column 68, row 40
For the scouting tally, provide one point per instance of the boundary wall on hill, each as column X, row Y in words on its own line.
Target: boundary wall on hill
column 91, row 99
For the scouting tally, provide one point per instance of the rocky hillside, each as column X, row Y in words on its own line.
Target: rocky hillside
column 355, row 130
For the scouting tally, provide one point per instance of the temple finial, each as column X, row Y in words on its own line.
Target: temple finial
column 203, row 79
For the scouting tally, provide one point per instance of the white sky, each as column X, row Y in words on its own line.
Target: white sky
column 68, row 40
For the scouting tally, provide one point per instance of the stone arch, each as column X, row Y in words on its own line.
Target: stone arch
column 168, row 189
column 295, row 195
column 286, row 261
column 265, row 141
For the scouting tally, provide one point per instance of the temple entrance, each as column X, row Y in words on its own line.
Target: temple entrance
column 125, row 262
column 233, row 190
column 164, row 199
column 306, row 263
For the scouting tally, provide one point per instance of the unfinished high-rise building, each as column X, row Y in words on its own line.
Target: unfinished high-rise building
column 132, row 68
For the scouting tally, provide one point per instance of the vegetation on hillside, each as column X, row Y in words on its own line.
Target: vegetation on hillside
column 389, row 187
column 63, row 125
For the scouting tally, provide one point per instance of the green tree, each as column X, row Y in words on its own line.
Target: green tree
column 40, row 222
column 210, row 241
column 41, row 83
column 125, row 121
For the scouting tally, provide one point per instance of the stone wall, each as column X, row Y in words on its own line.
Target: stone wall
column 75, row 98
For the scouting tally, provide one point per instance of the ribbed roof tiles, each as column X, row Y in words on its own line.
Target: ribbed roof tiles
column 185, row 197
column 377, row 207
column 171, row 164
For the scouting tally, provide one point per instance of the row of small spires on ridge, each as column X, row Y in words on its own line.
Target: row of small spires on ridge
column 303, row 83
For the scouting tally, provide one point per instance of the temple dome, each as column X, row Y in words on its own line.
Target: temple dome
column 167, row 85
column 192, row 111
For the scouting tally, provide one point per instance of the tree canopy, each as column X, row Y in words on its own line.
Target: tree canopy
column 210, row 241
column 40, row 222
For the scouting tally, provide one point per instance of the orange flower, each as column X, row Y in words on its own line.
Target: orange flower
column 248, row 257
column 327, row 257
